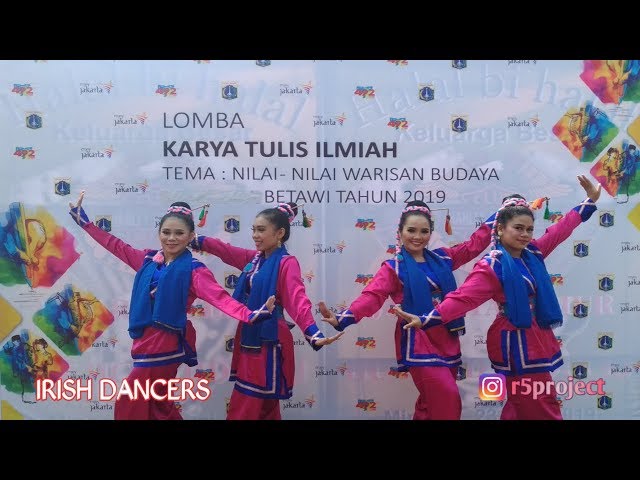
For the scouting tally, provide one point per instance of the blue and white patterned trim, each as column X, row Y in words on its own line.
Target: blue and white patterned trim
column 275, row 385
column 158, row 359
column 345, row 318
column 196, row 243
column 410, row 358
column 261, row 314
column 433, row 315
column 79, row 216
column 586, row 209
column 312, row 334
column 514, row 346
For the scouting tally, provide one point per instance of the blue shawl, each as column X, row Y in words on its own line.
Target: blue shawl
column 417, row 297
column 169, row 310
column 263, row 286
column 548, row 313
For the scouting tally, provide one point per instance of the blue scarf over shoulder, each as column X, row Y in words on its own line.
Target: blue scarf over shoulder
column 169, row 309
column 417, row 297
column 263, row 285
column 548, row 313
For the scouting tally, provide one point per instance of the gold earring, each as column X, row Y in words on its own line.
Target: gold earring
column 279, row 244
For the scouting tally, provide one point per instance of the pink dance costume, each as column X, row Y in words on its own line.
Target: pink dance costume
column 431, row 355
column 263, row 364
column 163, row 337
column 519, row 350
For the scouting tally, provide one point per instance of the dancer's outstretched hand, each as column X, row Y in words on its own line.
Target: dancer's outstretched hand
column 592, row 192
column 328, row 315
column 328, row 340
column 77, row 212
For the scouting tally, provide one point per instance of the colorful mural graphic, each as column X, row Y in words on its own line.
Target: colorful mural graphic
column 613, row 81
column 617, row 171
column 25, row 358
column 585, row 131
column 73, row 319
column 33, row 248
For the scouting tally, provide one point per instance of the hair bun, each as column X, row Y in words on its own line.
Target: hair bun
column 288, row 210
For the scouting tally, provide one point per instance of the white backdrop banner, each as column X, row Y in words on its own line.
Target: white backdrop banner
column 353, row 141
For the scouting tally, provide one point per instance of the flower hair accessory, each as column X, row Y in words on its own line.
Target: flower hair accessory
column 417, row 208
column 177, row 209
column 287, row 210
column 428, row 212
column 515, row 202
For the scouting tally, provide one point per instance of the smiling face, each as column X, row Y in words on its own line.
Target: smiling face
column 265, row 235
column 174, row 237
column 516, row 234
column 415, row 235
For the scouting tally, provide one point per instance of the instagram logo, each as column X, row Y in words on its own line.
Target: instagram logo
column 492, row 387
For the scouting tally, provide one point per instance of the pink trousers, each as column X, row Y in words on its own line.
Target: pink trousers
column 439, row 397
